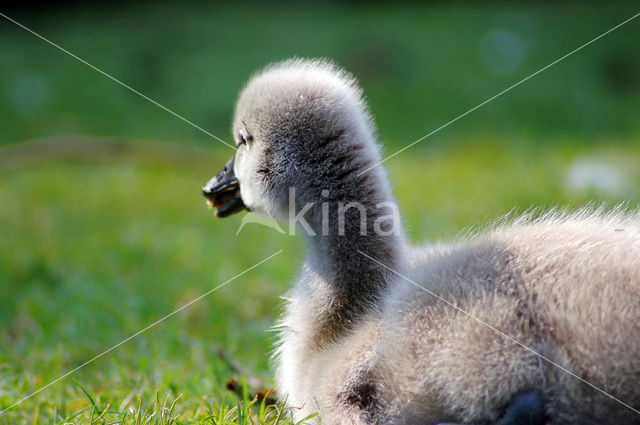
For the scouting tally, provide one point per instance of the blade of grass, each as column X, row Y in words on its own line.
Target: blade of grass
column 93, row 402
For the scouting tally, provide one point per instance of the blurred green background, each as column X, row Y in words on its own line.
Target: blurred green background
column 102, row 226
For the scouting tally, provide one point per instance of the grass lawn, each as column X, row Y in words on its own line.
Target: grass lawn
column 101, row 236
column 95, row 249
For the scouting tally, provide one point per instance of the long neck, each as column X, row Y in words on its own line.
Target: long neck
column 355, row 246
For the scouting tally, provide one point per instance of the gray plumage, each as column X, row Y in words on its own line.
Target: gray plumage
column 367, row 343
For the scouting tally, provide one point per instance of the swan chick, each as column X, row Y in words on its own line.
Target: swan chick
column 535, row 321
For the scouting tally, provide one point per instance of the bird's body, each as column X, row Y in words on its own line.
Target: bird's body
column 448, row 342
column 535, row 321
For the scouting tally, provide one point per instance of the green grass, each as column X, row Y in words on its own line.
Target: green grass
column 100, row 238
column 93, row 250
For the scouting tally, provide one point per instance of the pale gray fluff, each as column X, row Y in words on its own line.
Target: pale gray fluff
column 365, row 343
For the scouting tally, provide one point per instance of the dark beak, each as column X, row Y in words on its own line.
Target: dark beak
column 223, row 191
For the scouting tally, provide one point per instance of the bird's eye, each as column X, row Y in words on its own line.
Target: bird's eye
column 244, row 141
